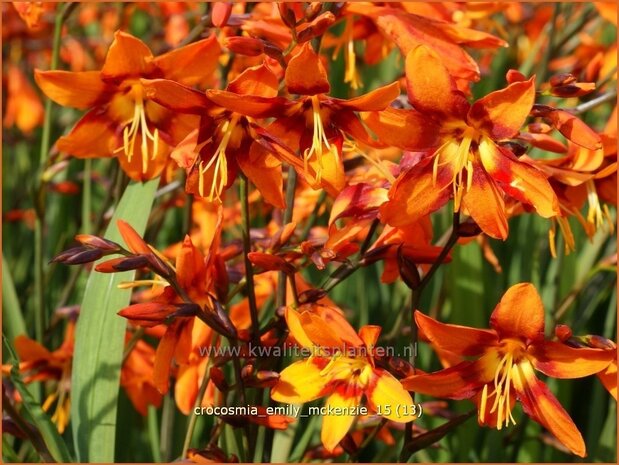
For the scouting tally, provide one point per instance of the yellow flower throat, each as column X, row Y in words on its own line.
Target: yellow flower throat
column 506, row 372
column 320, row 143
column 456, row 153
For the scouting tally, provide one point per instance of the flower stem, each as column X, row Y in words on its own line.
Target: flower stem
column 287, row 218
column 415, row 300
column 193, row 417
column 249, row 273
column 40, row 316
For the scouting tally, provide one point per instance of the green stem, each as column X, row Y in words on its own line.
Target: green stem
column 87, row 197
column 249, row 273
column 167, row 428
column 415, row 300
column 287, row 218
column 40, row 320
column 153, row 433
column 193, row 417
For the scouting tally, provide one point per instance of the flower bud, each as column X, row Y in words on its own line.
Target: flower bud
column 247, row 46
column 97, row 242
column 221, row 13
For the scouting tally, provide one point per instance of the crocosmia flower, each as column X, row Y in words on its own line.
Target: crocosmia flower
column 122, row 120
column 342, row 368
column 467, row 161
column 503, row 365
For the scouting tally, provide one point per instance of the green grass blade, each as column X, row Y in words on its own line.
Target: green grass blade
column 99, row 340
column 43, row 423
column 12, row 320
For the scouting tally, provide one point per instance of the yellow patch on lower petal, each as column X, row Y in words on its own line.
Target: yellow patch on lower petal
column 387, row 395
column 298, row 383
column 335, row 427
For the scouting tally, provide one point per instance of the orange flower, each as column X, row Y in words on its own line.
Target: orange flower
column 503, row 366
column 409, row 30
column 608, row 376
column 342, row 368
column 123, row 121
column 213, row 154
column 194, row 276
column 315, row 124
column 39, row 364
column 136, row 377
column 23, row 106
column 467, row 160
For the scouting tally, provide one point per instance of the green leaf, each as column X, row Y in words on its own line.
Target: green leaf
column 53, row 442
column 99, row 340
column 12, row 320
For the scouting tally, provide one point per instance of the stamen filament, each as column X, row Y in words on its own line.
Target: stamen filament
column 319, row 139
column 219, row 163
column 139, row 125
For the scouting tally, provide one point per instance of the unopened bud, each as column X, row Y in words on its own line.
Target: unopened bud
column 221, row 13
column 312, row 10
column 131, row 263
column 78, row 256
column 408, row 270
column 562, row 79
column 248, row 46
column 218, row 379
column 316, row 28
column 540, row 110
column 311, row 295
column 287, row 15
column 97, row 242
column 563, row 332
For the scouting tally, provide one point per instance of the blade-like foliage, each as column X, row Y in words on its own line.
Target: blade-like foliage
column 99, row 341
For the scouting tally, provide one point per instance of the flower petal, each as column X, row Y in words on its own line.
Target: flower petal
column 386, row 394
column 293, row 321
column 376, row 100
column 519, row 180
column 501, row 113
column 462, row 340
column 415, row 195
column 30, row 350
column 164, row 355
column 133, row 240
column 608, row 377
column 575, row 129
column 78, row 90
column 335, row 427
column 430, row 87
column 300, row 382
column 257, row 80
column 248, row 105
column 405, row 129
column 520, row 313
column 542, row 406
column 186, row 388
column 561, row 361
column 176, row 96
column 193, row 64
column 189, row 265
column 264, row 170
column 128, row 56
column 485, row 204
column 92, row 137
column 369, row 335
column 305, row 74
column 461, row 381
